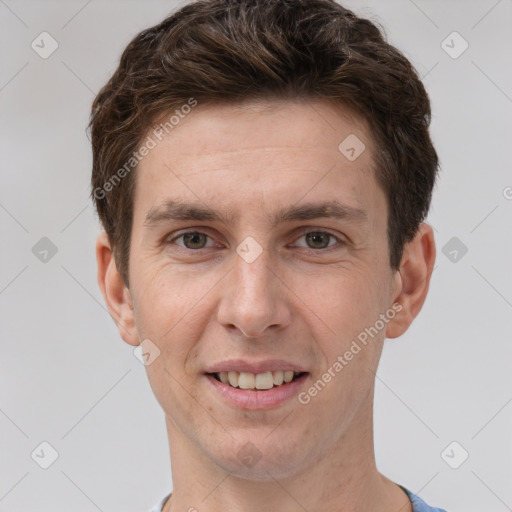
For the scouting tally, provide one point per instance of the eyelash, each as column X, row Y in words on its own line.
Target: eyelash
column 170, row 241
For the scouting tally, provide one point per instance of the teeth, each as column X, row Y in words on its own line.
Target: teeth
column 288, row 376
column 278, row 378
column 246, row 380
column 264, row 380
column 233, row 378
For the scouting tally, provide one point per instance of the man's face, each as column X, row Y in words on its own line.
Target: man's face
column 258, row 286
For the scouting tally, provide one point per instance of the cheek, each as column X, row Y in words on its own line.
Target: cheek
column 348, row 306
column 164, row 295
column 171, row 311
column 345, row 301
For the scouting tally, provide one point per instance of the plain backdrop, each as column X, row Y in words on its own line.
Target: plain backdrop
column 443, row 390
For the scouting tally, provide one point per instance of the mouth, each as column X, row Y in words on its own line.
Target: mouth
column 257, row 382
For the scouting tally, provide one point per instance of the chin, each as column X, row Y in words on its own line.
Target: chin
column 260, row 459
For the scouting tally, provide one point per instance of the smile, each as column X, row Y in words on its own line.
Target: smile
column 259, row 381
column 252, row 397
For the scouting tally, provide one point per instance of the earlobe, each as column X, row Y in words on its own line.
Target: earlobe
column 413, row 279
column 116, row 295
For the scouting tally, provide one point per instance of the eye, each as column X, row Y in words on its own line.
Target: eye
column 320, row 239
column 193, row 240
column 197, row 240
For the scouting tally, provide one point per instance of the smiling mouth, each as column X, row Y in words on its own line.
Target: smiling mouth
column 256, row 382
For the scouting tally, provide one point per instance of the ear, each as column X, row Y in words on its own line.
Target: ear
column 413, row 279
column 116, row 295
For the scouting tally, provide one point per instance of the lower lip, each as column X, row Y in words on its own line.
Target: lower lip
column 258, row 400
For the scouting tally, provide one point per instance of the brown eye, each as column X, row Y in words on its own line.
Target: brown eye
column 192, row 240
column 318, row 240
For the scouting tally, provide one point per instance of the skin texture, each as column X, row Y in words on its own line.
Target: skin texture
column 301, row 300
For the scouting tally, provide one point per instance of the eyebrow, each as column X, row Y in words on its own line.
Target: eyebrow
column 173, row 210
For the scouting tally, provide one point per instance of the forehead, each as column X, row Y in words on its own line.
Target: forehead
column 278, row 151
column 270, row 124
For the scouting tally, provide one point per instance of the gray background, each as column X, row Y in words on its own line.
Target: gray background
column 68, row 379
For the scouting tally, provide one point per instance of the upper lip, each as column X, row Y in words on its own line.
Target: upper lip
column 267, row 365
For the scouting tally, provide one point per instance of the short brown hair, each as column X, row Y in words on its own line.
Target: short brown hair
column 229, row 51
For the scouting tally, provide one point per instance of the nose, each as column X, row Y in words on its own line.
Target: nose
column 254, row 299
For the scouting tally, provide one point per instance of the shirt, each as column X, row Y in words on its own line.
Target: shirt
column 418, row 505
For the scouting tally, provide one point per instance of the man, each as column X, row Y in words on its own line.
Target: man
column 262, row 170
